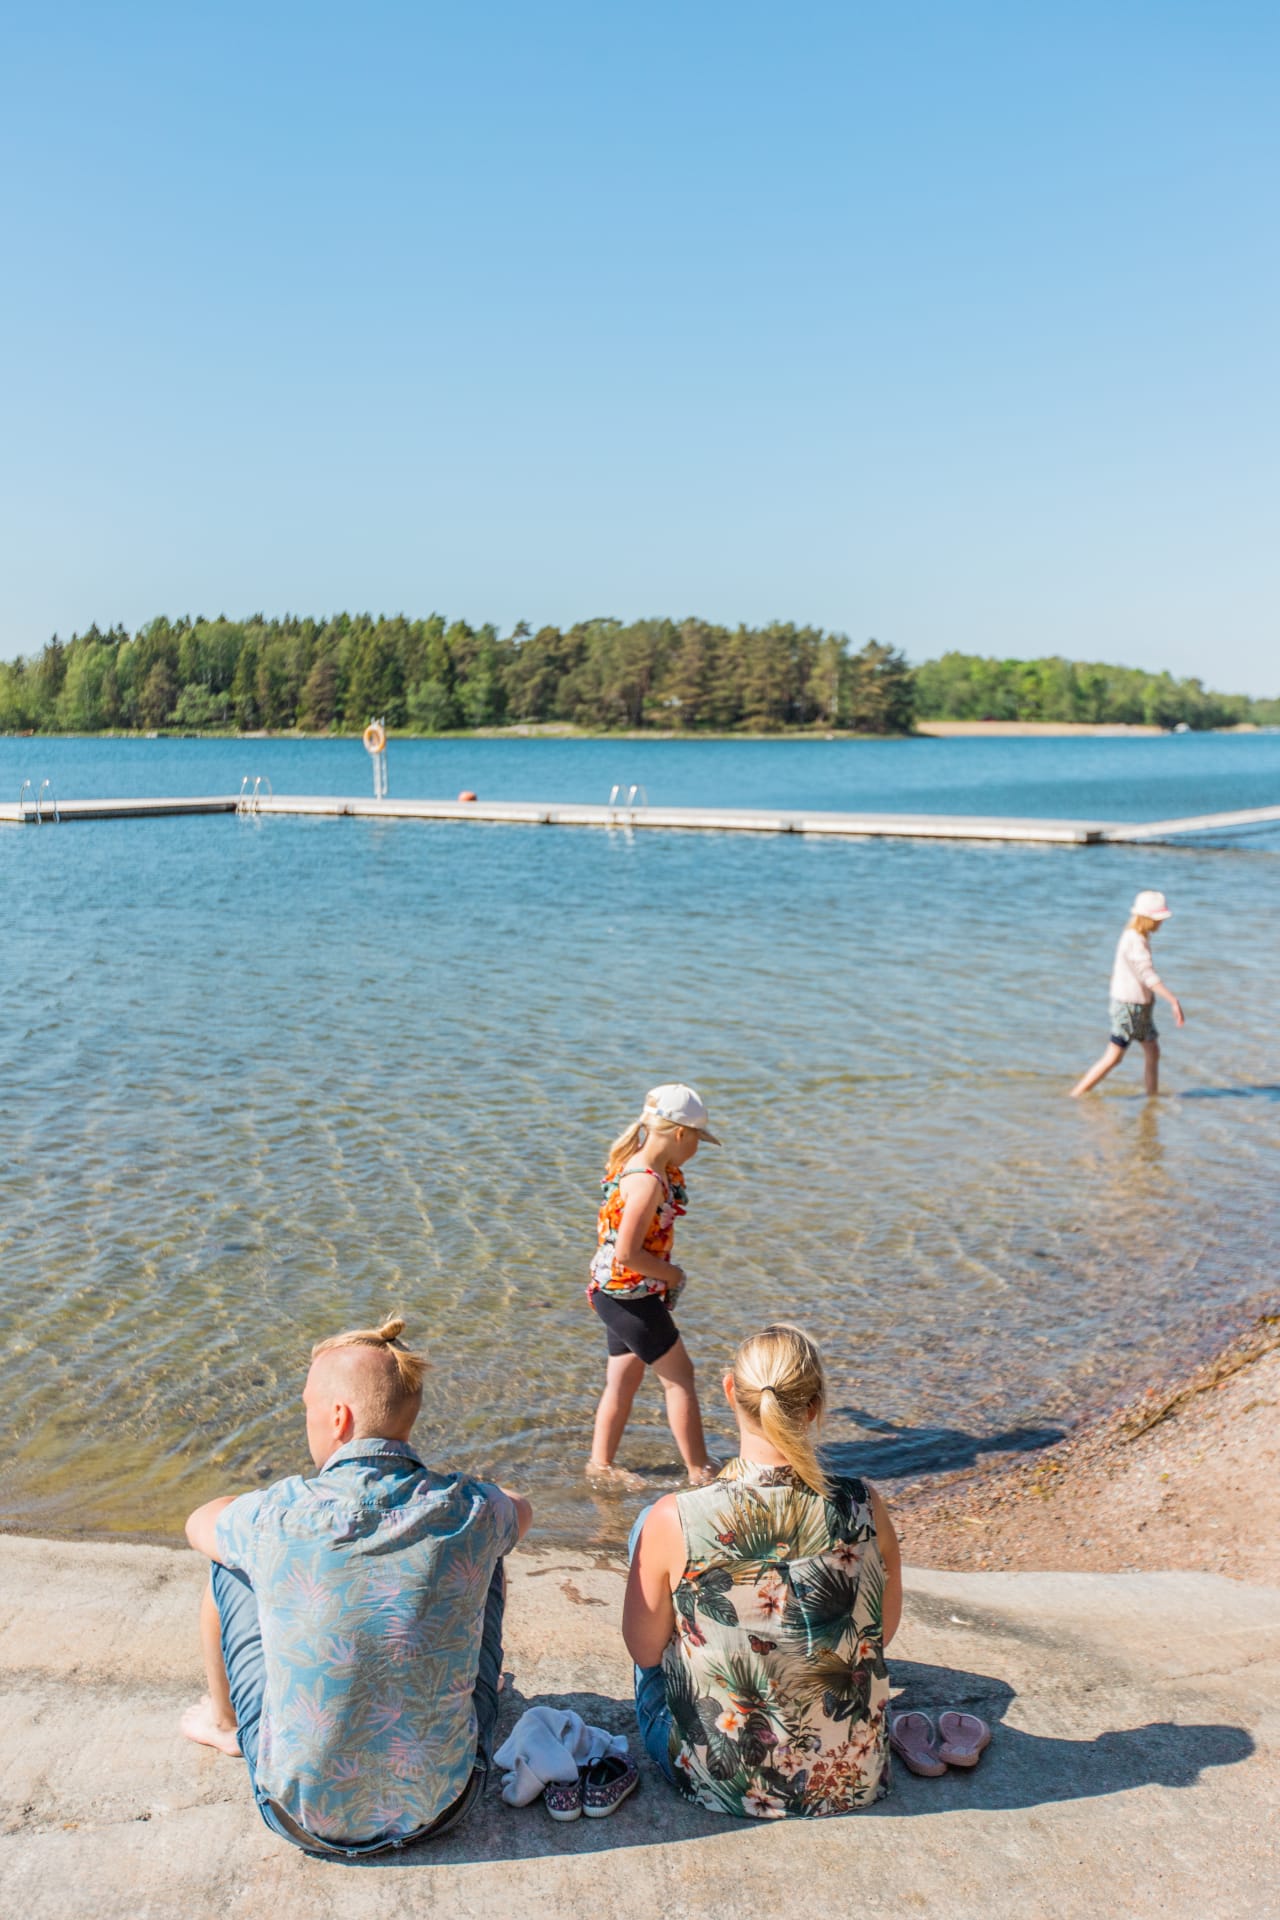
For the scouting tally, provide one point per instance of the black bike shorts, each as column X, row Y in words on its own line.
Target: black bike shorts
column 638, row 1323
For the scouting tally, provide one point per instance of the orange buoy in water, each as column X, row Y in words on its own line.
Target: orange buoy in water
column 466, row 794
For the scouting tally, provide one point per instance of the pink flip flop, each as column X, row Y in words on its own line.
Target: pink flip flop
column 912, row 1738
column 963, row 1737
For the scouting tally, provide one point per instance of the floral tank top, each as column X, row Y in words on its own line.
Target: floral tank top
column 608, row 1275
column 775, row 1675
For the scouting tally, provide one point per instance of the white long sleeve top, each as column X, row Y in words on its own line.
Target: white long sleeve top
column 1134, row 978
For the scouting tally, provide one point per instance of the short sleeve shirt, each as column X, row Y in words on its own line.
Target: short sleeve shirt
column 371, row 1578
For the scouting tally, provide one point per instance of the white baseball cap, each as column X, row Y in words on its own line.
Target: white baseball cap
column 1151, row 905
column 681, row 1107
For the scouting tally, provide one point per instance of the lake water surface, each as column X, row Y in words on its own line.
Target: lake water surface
column 271, row 1078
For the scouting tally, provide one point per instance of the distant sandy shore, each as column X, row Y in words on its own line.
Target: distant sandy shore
column 1032, row 730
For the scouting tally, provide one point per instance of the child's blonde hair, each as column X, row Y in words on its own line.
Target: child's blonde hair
column 1141, row 924
column 628, row 1142
column 777, row 1377
column 396, row 1382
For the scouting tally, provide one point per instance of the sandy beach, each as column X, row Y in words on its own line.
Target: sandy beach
column 1035, row 730
column 1186, row 1476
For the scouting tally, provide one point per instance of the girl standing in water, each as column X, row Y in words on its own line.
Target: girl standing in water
column 634, row 1281
column 1134, row 986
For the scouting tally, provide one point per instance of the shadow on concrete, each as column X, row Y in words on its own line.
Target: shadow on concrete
column 1031, row 1770
column 898, row 1450
column 1017, row 1770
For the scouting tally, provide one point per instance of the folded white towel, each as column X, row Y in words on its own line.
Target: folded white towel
column 550, row 1743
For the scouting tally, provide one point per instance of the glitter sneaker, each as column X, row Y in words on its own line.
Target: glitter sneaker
column 563, row 1799
column 606, row 1784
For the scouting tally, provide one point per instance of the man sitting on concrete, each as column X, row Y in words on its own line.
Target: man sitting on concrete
column 352, row 1628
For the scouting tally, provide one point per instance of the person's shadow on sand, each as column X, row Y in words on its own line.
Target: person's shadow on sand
column 1017, row 1770
column 897, row 1450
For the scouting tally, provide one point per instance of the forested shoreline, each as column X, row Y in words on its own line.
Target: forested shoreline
column 194, row 675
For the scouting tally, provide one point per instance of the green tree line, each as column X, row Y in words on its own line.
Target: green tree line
column 964, row 686
column 436, row 676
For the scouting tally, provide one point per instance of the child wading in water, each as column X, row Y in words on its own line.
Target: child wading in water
column 634, row 1283
column 1134, row 985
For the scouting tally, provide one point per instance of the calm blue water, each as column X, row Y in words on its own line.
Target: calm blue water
column 267, row 1079
column 1104, row 779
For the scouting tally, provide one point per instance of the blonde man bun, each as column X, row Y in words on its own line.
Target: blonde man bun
column 390, row 1379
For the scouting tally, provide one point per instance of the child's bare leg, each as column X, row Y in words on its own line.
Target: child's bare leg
column 623, row 1375
column 1099, row 1070
column 684, row 1416
column 1151, row 1065
column 212, row 1721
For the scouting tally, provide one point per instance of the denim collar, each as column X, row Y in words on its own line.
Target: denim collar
column 370, row 1449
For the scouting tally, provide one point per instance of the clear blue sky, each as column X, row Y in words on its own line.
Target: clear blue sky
column 955, row 324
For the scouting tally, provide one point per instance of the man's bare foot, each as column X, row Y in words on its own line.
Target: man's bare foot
column 199, row 1723
column 617, row 1479
column 704, row 1475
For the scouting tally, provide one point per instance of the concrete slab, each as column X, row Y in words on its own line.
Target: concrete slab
column 1134, row 1770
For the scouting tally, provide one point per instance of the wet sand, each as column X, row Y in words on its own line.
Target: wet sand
column 1185, row 1477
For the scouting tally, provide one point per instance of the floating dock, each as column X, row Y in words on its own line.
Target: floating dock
column 853, row 826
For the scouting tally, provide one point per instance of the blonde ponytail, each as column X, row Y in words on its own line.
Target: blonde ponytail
column 1139, row 923
column 627, row 1144
column 623, row 1147
column 777, row 1378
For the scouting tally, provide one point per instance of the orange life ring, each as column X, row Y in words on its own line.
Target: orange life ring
column 375, row 737
column 466, row 794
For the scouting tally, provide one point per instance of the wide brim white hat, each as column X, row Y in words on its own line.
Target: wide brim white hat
column 1151, row 904
column 680, row 1106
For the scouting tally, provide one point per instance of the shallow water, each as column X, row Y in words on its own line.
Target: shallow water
column 271, row 1078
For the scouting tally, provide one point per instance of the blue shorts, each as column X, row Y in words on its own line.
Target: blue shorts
column 1132, row 1020
column 242, row 1656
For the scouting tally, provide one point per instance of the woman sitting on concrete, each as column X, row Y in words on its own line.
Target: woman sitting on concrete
column 758, row 1610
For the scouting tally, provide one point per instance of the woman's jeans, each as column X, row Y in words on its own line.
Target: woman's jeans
column 652, row 1712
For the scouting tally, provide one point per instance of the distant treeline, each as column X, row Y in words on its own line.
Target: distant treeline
column 964, row 686
column 435, row 675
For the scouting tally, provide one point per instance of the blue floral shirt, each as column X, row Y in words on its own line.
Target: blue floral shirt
column 371, row 1579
